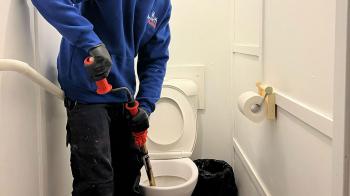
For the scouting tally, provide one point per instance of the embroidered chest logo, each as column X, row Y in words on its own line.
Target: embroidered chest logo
column 152, row 20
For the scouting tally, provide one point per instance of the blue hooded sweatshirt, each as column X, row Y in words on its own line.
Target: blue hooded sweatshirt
column 128, row 28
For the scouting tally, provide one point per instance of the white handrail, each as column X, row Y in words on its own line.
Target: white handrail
column 25, row 69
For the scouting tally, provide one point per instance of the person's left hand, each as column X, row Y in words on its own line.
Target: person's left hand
column 140, row 138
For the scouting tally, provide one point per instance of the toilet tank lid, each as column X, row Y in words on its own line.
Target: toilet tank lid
column 186, row 86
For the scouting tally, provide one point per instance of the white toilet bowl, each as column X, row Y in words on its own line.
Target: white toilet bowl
column 174, row 177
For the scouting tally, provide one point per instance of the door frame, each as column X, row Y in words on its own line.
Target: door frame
column 341, row 107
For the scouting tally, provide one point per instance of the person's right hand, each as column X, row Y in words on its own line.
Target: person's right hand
column 102, row 63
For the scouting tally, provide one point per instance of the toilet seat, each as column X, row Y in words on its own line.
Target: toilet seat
column 173, row 134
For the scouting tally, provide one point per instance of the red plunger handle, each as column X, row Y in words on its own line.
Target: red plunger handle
column 103, row 87
column 133, row 109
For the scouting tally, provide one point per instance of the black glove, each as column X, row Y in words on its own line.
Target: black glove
column 139, row 122
column 102, row 63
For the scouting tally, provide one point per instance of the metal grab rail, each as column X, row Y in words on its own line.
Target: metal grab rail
column 25, row 69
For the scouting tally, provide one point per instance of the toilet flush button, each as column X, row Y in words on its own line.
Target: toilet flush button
column 166, row 123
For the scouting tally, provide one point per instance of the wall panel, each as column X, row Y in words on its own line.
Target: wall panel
column 289, row 156
column 19, row 157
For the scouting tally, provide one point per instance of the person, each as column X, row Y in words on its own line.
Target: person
column 104, row 139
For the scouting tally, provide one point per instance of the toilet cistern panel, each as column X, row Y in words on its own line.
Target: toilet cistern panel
column 193, row 72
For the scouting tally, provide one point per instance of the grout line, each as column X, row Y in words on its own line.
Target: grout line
column 40, row 120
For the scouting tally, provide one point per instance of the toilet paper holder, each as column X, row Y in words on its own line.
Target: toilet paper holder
column 270, row 100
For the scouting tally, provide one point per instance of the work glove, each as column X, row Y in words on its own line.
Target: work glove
column 140, row 138
column 102, row 63
column 138, row 125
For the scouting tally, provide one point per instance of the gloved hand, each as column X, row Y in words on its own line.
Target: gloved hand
column 140, row 138
column 139, row 122
column 102, row 63
column 138, row 125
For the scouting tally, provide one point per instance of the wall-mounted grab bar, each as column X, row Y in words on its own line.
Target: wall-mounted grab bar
column 25, row 69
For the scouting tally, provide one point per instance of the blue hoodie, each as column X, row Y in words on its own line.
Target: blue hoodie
column 128, row 28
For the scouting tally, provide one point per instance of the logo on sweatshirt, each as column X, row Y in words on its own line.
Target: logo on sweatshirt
column 152, row 20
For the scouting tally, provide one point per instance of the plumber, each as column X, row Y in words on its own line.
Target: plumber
column 104, row 139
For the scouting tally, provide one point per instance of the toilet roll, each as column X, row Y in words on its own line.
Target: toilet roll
column 246, row 101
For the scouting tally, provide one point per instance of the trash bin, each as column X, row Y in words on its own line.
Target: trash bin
column 216, row 178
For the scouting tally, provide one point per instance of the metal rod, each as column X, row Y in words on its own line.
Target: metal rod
column 257, row 107
column 148, row 166
column 127, row 92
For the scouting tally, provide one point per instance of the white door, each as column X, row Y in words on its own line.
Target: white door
column 293, row 46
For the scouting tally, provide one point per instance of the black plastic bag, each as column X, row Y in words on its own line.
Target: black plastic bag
column 216, row 178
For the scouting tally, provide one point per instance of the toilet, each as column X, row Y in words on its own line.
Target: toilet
column 171, row 140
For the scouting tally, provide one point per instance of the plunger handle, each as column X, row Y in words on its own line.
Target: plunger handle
column 103, row 87
column 148, row 166
column 133, row 108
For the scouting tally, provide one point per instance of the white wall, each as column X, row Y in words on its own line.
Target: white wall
column 200, row 35
column 299, row 50
column 34, row 160
column 57, row 173
column 294, row 44
column 19, row 111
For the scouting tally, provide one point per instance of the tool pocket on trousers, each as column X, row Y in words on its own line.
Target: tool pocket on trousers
column 71, row 107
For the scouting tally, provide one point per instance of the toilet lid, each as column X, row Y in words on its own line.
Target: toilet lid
column 172, row 132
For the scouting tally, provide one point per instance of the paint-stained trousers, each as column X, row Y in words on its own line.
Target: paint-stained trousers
column 104, row 158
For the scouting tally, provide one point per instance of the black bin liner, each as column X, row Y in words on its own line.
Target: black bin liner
column 216, row 178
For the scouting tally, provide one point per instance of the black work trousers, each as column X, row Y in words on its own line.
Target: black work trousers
column 104, row 158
